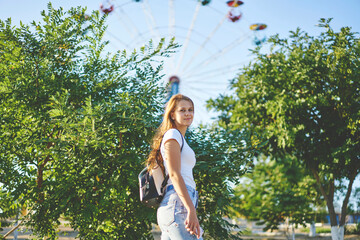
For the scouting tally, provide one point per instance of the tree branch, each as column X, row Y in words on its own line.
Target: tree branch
column 332, row 189
column 322, row 190
column 346, row 199
column 13, row 229
column 329, row 198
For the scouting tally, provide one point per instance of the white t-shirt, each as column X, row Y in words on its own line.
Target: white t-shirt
column 188, row 159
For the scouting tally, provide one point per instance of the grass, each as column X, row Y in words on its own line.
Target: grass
column 318, row 230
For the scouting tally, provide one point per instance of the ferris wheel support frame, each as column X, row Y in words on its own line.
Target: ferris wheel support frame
column 173, row 87
column 200, row 57
column 219, row 53
column 205, row 42
column 188, row 36
column 171, row 18
column 150, row 20
column 123, row 13
column 215, row 72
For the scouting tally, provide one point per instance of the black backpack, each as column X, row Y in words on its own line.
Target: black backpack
column 151, row 193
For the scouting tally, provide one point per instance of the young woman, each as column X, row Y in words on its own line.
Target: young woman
column 176, row 215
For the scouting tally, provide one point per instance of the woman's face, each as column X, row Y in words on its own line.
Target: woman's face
column 183, row 114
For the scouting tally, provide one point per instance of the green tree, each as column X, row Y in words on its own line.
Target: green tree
column 8, row 208
column 274, row 193
column 75, row 124
column 75, row 127
column 303, row 98
column 222, row 158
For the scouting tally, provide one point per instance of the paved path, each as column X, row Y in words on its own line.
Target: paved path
column 66, row 233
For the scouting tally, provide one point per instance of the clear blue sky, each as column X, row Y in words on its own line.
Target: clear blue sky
column 210, row 79
column 280, row 15
column 207, row 73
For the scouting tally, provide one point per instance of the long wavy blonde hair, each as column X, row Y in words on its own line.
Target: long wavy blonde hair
column 166, row 124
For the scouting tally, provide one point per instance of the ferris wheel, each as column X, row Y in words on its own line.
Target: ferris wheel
column 212, row 35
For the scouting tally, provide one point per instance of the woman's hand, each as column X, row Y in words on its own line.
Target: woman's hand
column 192, row 223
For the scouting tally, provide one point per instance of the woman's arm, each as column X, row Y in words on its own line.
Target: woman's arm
column 173, row 158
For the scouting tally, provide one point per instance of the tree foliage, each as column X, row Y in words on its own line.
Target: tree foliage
column 303, row 99
column 222, row 158
column 75, row 123
column 75, row 127
column 8, row 208
column 276, row 192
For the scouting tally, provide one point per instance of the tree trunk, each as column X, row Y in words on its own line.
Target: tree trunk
column 40, row 172
column 16, row 224
column 312, row 232
column 40, row 179
column 346, row 199
column 337, row 233
column 329, row 198
column 337, row 230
